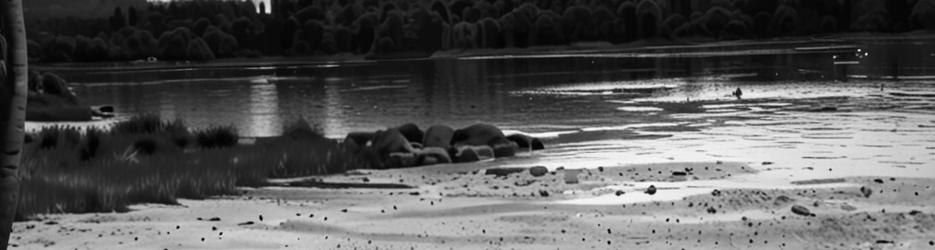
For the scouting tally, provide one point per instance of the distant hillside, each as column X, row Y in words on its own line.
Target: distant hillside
column 45, row 9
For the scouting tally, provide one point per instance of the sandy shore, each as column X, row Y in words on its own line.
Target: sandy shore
column 461, row 207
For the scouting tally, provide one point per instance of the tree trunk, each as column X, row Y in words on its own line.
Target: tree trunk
column 13, row 87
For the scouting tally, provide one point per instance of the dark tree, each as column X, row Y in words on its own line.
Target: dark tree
column 117, row 20
column 132, row 17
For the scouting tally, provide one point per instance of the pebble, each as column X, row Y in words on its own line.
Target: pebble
column 538, row 171
column 651, row 190
column 801, row 210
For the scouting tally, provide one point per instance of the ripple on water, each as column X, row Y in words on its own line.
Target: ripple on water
column 639, row 109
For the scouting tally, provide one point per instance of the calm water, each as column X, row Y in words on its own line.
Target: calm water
column 595, row 109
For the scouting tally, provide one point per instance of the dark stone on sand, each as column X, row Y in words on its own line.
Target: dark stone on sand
column 866, row 192
column 503, row 171
column 571, row 176
column 543, row 193
column 848, row 207
column 884, row 242
column 245, row 223
column 651, row 190
column 716, row 193
column 782, row 199
column 214, row 219
column 679, row 173
column 538, row 171
column 711, row 210
column 619, row 192
column 878, row 181
column 802, row 210
column 106, row 109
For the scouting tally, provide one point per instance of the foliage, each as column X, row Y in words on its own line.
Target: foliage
column 234, row 28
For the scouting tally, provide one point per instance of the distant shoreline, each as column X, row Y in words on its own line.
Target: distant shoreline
column 577, row 49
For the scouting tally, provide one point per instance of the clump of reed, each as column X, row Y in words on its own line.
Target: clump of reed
column 149, row 160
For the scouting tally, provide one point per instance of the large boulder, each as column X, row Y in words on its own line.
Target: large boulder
column 503, row 147
column 390, row 141
column 438, row 136
column 433, row 155
column 525, row 141
column 401, row 160
column 476, row 135
column 411, row 132
column 466, row 153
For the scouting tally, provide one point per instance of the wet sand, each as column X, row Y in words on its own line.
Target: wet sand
column 696, row 205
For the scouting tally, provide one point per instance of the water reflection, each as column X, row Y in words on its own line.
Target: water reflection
column 264, row 118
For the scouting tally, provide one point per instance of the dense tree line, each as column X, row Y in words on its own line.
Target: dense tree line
column 204, row 30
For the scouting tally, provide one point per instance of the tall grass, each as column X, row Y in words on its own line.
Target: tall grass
column 149, row 160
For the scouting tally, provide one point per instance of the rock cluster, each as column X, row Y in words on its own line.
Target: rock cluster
column 409, row 146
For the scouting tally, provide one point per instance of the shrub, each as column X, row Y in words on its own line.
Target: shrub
column 173, row 45
column 199, row 50
column 217, row 137
column 147, row 124
column 465, row 35
column 547, row 32
column 142, row 44
column 222, row 44
column 923, row 14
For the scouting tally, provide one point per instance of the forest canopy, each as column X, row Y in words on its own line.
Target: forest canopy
column 205, row 30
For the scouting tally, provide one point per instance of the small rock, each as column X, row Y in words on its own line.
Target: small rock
column 801, row 210
column 782, row 199
column 246, row 223
column 214, row 219
column 538, row 171
column 651, row 190
column 866, row 191
column 571, row 176
column 543, row 193
column 716, row 193
column 503, row 171
column 619, row 192
column 848, row 207
column 878, row 181
column 767, row 163
column 884, row 242
column 679, row 173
